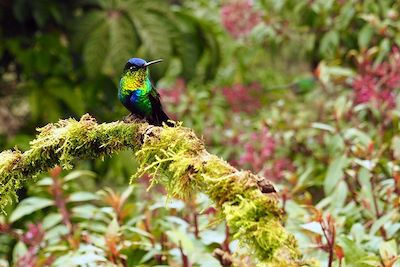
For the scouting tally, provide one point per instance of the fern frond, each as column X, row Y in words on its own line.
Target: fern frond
column 123, row 43
column 96, row 46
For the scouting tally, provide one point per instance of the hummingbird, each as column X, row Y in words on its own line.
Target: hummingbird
column 137, row 93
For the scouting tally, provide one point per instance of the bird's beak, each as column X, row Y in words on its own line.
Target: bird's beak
column 153, row 62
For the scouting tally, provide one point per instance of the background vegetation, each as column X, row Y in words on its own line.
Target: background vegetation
column 302, row 92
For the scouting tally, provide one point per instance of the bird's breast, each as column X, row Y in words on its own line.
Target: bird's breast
column 138, row 96
column 134, row 95
column 138, row 102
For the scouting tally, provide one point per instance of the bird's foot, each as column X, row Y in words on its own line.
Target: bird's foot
column 150, row 132
column 133, row 118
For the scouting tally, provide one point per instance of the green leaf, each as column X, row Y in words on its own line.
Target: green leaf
column 188, row 51
column 82, row 196
column 89, row 212
column 19, row 250
column 78, row 174
column 87, row 255
column 339, row 71
column 356, row 255
column 329, row 73
column 388, row 250
column 96, row 47
column 313, row 227
column 213, row 58
column 339, row 196
column 387, row 218
column 329, row 43
column 123, row 43
column 56, row 233
column 365, row 35
column 211, row 236
column 51, row 220
column 346, row 15
column 86, row 24
column 125, row 195
column 72, row 97
column 140, row 232
column 392, row 229
column 153, row 26
column 113, row 228
column 150, row 254
column 396, row 146
column 179, row 222
column 366, row 191
column 303, row 178
column 334, row 173
column 323, row 126
column 358, row 136
column 28, row 206
column 47, row 181
column 181, row 238
column 368, row 164
column 384, row 49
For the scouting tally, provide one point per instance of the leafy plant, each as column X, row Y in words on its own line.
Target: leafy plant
column 112, row 31
column 77, row 227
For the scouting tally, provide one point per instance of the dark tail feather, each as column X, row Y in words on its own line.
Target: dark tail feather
column 158, row 117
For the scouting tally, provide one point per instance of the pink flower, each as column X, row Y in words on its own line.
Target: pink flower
column 260, row 148
column 243, row 98
column 34, row 235
column 279, row 167
column 260, row 156
column 173, row 95
column 378, row 84
column 32, row 238
column 364, row 87
column 239, row 17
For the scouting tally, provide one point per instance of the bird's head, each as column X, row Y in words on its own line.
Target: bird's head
column 136, row 74
column 138, row 66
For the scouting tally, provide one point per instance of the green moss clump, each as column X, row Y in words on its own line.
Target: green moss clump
column 60, row 144
column 10, row 181
column 223, row 182
column 170, row 155
column 255, row 221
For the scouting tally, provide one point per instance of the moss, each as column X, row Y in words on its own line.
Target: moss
column 9, row 180
column 255, row 221
column 170, row 155
column 60, row 144
column 174, row 157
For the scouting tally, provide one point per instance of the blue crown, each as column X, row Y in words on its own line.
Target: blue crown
column 137, row 61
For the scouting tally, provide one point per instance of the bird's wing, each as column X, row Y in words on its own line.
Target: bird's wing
column 158, row 116
column 154, row 94
column 155, row 99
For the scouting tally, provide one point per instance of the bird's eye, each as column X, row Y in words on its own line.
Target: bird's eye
column 133, row 68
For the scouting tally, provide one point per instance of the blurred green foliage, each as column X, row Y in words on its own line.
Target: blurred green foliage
column 302, row 92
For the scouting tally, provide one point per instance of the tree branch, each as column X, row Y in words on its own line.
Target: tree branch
column 174, row 157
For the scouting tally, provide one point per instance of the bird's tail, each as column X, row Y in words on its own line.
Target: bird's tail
column 158, row 117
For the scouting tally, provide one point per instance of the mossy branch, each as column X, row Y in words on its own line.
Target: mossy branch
column 174, row 157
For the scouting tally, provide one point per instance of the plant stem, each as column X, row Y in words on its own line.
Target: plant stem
column 60, row 202
column 376, row 206
column 185, row 260
column 329, row 232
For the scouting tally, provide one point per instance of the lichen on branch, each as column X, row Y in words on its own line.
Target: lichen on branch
column 174, row 157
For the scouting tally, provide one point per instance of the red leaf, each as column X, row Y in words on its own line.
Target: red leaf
column 339, row 252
